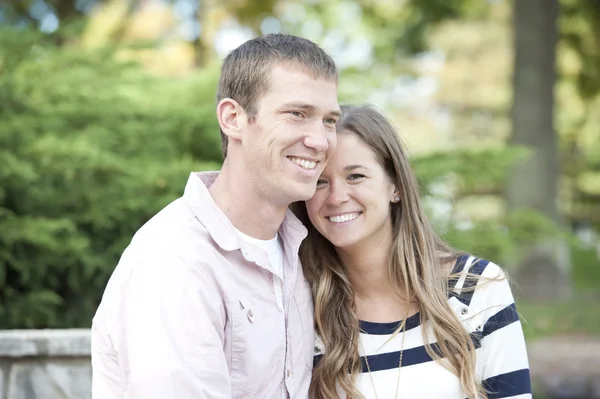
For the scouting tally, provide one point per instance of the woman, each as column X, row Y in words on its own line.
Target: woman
column 432, row 322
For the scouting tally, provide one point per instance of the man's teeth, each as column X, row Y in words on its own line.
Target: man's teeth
column 304, row 163
column 344, row 218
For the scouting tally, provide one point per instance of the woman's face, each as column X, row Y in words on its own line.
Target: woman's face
column 352, row 203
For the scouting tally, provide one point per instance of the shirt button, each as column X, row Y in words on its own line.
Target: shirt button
column 289, row 373
column 463, row 311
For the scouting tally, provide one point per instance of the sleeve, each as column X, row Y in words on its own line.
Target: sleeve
column 172, row 325
column 505, row 366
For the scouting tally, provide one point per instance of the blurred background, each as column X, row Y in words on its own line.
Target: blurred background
column 107, row 105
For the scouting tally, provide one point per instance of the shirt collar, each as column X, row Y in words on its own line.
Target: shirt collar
column 198, row 198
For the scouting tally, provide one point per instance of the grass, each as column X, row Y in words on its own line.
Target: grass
column 576, row 317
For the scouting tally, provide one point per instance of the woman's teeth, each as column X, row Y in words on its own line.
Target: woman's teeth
column 344, row 218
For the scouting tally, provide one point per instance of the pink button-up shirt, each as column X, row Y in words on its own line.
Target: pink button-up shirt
column 191, row 312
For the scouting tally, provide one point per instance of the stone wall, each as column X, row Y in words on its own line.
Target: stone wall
column 55, row 364
column 45, row 364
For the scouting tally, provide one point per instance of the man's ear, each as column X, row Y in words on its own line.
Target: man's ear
column 232, row 118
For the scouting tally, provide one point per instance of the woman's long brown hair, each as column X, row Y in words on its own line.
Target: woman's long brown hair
column 417, row 268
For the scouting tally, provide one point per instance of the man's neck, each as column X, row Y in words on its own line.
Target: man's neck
column 250, row 213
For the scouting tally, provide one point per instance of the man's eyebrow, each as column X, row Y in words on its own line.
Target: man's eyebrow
column 299, row 105
column 309, row 107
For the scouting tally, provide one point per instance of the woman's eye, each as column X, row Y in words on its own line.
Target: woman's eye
column 355, row 176
column 321, row 182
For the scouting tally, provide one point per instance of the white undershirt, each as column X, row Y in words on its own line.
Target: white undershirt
column 274, row 251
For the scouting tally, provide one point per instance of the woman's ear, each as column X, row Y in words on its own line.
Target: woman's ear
column 395, row 196
column 232, row 118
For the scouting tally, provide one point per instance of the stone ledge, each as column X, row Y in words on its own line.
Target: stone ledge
column 566, row 367
column 42, row 343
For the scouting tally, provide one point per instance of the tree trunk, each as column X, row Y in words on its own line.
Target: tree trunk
column 544, row 267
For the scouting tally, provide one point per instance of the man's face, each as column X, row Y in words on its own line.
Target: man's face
column 292, row 136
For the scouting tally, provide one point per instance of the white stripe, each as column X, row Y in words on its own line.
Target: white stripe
column 463, row 274
column 496, row 358
column 426, row 380
column 375, row 344
column 524, row 396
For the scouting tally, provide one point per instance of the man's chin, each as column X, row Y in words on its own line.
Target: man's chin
column 303, row 194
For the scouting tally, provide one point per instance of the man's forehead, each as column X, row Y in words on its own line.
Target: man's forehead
column 299, row 68
column 285, row 77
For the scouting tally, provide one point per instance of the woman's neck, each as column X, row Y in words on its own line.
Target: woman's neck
column 367, row 269
column 376, row 297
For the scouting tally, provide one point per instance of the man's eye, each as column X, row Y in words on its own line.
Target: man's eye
column 330, row 121
column 297, row 114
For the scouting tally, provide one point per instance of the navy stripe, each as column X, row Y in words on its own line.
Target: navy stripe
column 471, row 280
column 371, row 328
column 316, row 360
column 503, row 318
column 508, row 385
column 390, row 360
column 410, row 357
column 459, row 266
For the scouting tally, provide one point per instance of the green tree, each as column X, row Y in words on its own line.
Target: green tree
column 534, row 183
column 90, row 149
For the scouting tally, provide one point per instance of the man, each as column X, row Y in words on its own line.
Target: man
column 209, row 299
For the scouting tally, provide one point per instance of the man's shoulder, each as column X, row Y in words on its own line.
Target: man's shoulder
column 164, row 254
column 174, row 225
column 172, row 237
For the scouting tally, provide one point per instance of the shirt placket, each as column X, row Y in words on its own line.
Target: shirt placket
column 289, row 284
column 281, row 296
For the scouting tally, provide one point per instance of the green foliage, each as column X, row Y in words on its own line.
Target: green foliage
column 580, row 30
column 403, row 29
column 502, row 239
column 478, row 169
column 90, row 149
column 586, row 270
column 469, row 173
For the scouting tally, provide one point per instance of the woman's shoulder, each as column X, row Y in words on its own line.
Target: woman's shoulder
column 479, row 286
column 471, row 269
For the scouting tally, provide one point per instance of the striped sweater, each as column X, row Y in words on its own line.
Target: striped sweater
column 488, row 313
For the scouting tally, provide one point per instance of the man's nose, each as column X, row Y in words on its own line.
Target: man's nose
column 317, row 138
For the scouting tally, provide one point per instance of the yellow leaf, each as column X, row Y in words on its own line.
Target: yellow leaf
column 104, row 21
